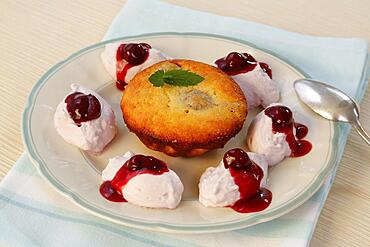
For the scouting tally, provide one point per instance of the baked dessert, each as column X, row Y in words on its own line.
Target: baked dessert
column 184, row 120
column 254, row 78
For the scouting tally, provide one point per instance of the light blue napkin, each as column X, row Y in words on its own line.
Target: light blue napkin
column 33, row 214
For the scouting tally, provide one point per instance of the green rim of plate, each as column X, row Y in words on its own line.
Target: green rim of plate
column 338, row 140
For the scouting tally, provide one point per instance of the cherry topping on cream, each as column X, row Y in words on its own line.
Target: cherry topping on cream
column 283, row 122
column 133, row 54
column 137, row 164
column 247, row 176
column 236, row 63
column 282, row 117
column 82, row 107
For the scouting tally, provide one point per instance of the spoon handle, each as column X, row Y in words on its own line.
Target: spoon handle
column 362, row 132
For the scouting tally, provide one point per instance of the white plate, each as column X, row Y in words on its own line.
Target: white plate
column 77, row 174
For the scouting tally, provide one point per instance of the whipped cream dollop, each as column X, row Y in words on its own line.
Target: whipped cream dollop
column 258, row 87
column 147, row 190
column 92, row 135
column 263, row 140
column 276, row 134
column 217, row 187
column 108, row 57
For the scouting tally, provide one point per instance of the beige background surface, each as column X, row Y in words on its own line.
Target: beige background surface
column 36, row 34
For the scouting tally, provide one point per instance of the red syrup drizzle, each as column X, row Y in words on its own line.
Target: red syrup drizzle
column 248, row 176
column 266, row 68
column 283, row 122
column 128, row 56
column 82, row 107
column 237, row 63
column 138, row 164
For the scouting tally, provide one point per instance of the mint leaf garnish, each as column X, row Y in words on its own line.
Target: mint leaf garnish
column 175, row 77
column 157, row 78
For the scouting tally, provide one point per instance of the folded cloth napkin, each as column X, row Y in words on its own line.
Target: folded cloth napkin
column 34, row 214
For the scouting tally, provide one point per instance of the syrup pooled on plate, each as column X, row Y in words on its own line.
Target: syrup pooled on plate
column 128, row 56
column 82, row 107
column 283, row 122
column 248, row 176
column 137, row 164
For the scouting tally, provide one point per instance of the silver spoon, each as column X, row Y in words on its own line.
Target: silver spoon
column 330, row 103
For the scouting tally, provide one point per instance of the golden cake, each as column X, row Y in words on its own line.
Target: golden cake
column 184, row 120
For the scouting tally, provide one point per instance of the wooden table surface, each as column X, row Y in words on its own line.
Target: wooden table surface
column 36, row 34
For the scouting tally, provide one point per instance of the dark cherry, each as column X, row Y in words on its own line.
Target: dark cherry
column 236, row 60
column 249, row 58
column 300, row 130
column 237, row 159
column 248, row 176
column 266, row 68
column 82, row 107
column 134, row 54
column 282, row 116
column 283, row 122
column 235, row 63
column 137, row 164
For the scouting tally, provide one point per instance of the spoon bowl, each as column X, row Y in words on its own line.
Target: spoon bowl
column 331, row 103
